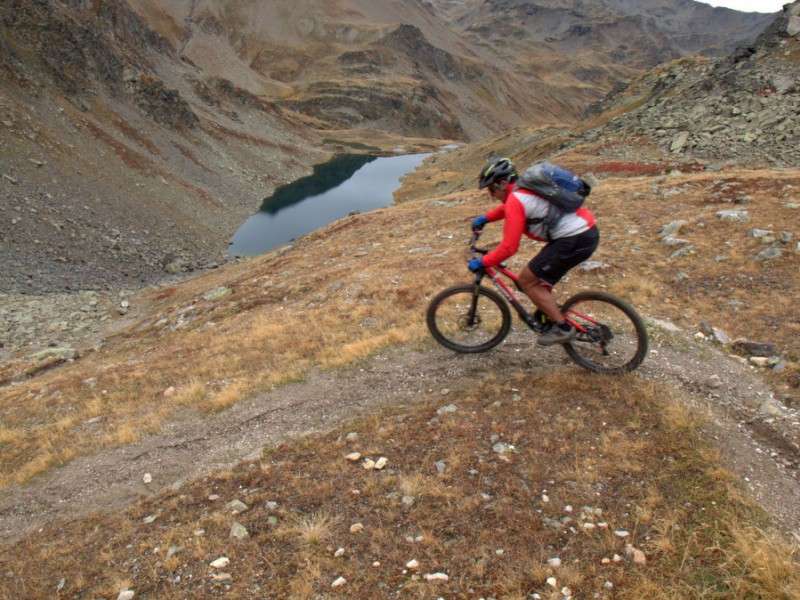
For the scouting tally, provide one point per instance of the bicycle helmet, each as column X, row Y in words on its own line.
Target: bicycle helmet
column 495, row 171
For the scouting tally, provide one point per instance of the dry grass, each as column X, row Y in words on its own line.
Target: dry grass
column 490, row 521
column 309, row 531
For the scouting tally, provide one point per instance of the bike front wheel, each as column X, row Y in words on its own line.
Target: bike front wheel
column 614, row 337
column 469, row 318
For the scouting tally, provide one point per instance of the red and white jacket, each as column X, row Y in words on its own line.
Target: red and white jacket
column 517, row 208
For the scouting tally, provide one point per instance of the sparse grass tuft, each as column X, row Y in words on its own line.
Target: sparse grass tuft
column 313, row 530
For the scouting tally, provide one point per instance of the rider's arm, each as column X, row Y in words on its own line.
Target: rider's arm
column 498, row 213
column 513, row 228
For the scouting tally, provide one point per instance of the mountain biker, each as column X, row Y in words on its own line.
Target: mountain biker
column 570, row 241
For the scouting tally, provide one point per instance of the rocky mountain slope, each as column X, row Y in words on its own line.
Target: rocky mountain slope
column 593, row 44
column 137, row 135
column 739, row 109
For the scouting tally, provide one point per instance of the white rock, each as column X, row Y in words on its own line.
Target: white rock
column 412, row 564
column 621, row 533
column 339, row 582
column 554, row 562
column 239, row 531
column 220, row 563
column 502, row 448
column 354, row 456
column 126, row 595
column 148, row 478
column 381, row 463
column 436, row 577
column 356, row 527
column 793, row 26
column 369, row 464
column 552, row 582
column 339, row 553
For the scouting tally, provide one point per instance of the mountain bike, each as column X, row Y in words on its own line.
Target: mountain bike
column 611, row 337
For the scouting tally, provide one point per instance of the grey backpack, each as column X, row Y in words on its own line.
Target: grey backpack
column 565, row 191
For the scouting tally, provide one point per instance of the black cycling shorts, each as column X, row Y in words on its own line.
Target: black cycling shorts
column 559, row 256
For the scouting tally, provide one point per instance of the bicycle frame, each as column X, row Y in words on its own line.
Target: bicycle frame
column 493, row 273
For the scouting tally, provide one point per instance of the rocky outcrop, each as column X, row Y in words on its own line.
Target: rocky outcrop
column 743, row 107
column 164, row 105
column 413, row 111
column 410, row 41
column 81, row 48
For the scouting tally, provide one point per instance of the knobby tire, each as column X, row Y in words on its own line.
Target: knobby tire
column 616, row 343
column 468, row 318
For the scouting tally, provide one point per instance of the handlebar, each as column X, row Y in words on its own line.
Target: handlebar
column 473, row 251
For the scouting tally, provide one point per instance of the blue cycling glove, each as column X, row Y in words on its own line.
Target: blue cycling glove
column 475, row 264
column 479, row 222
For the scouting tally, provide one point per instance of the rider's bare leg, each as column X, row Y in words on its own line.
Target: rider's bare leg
column 540, row 293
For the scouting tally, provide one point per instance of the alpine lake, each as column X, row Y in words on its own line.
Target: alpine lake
column 346, row 184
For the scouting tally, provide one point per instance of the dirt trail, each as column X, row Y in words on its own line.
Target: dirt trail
column 755, row 434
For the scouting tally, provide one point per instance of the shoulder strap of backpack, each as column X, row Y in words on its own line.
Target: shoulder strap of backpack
column 554, row 215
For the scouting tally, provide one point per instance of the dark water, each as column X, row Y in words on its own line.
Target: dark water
column 345, row 184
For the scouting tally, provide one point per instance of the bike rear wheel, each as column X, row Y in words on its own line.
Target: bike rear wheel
column 468, row 318
column 615, row 340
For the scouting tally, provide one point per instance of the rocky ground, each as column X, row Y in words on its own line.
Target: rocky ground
column 756, row 433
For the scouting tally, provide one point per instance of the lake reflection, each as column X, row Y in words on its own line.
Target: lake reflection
column 345, row 184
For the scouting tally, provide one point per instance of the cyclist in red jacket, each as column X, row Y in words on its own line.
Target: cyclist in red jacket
column 571, row 239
